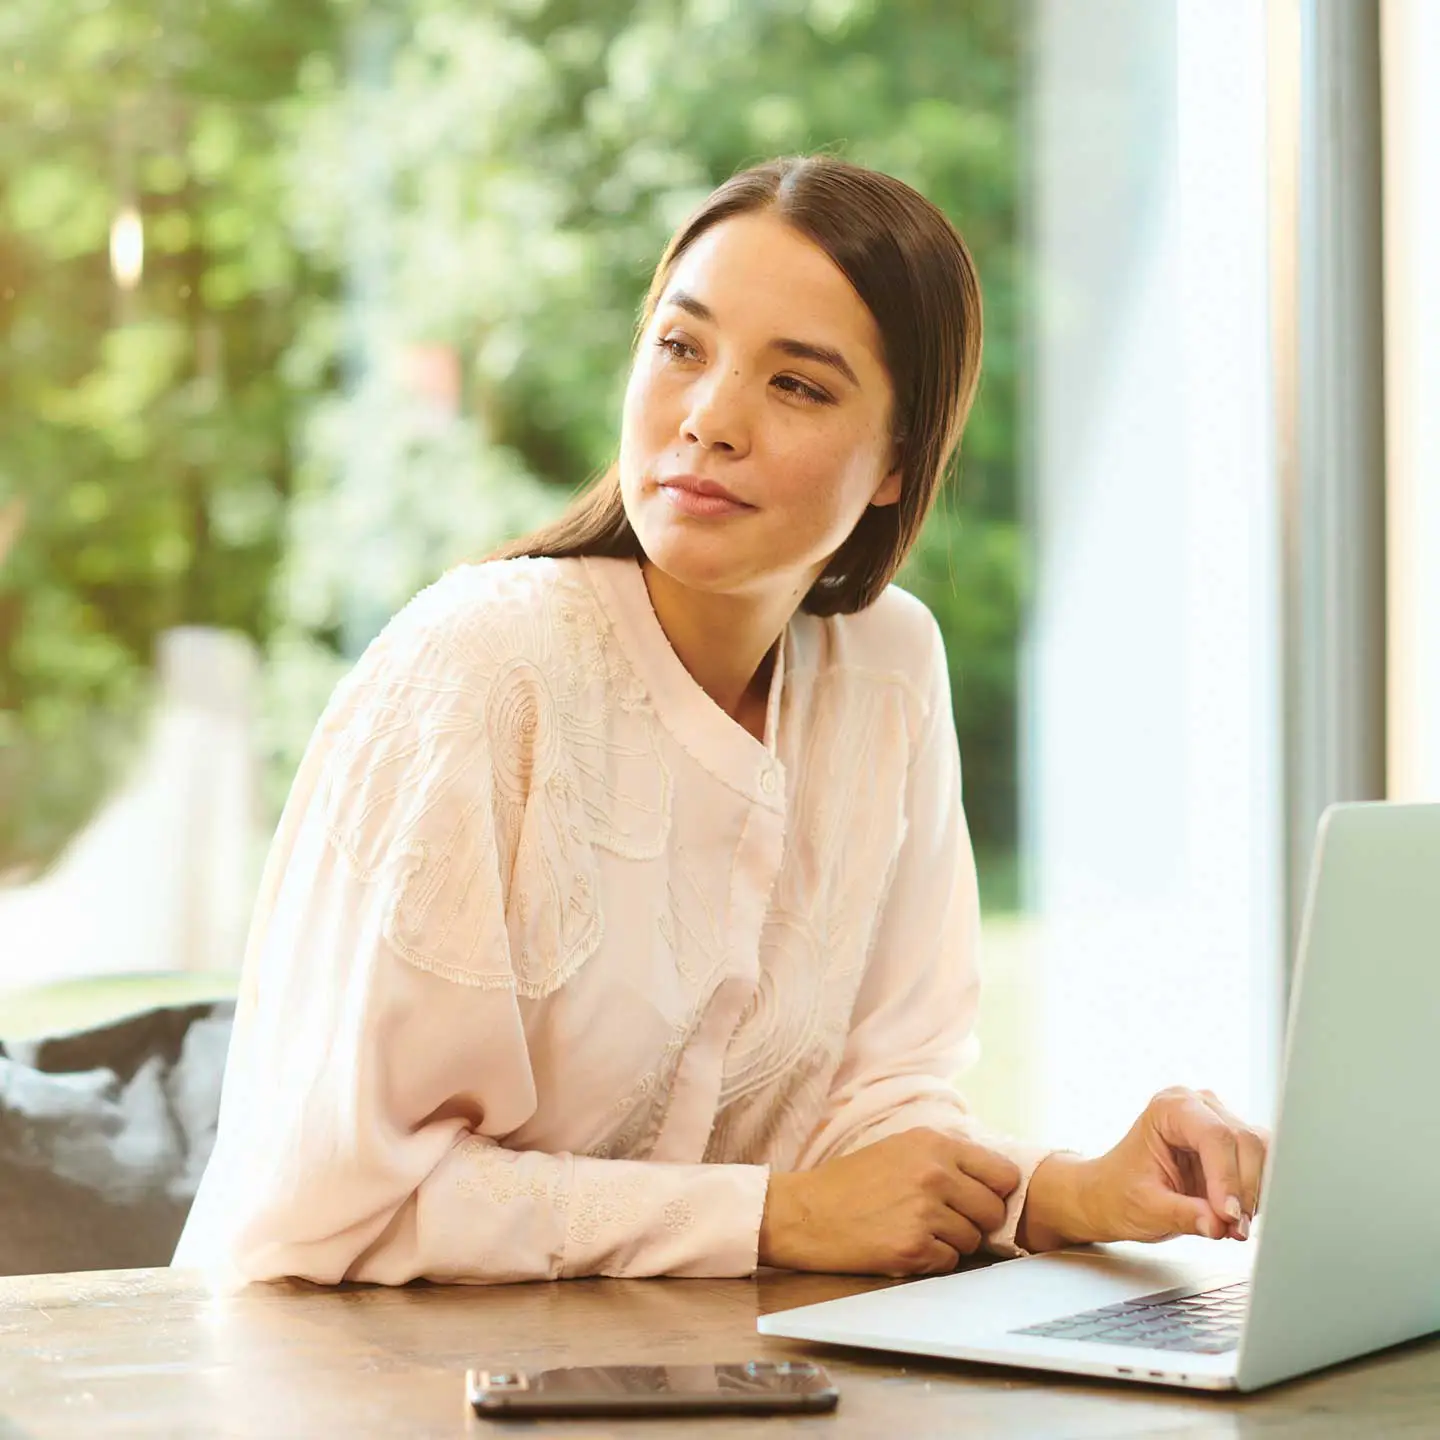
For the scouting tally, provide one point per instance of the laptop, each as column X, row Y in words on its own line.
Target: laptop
column 1345, row 1256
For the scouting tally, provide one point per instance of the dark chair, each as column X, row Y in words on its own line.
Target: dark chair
column 104, row 1134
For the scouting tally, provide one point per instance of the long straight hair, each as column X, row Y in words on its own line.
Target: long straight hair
column 912, row 270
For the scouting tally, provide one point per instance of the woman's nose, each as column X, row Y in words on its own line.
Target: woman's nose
column 717, row 418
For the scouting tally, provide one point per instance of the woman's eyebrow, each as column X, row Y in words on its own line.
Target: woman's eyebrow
column 804, row 350
column 798, row 349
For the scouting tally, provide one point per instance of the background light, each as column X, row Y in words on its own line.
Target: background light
column 127, row 248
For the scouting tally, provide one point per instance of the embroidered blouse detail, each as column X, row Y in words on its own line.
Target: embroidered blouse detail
column 553, row 962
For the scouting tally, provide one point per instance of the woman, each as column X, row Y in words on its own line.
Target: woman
column 623, row 916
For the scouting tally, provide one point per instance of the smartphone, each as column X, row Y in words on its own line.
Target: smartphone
column 752, row 1387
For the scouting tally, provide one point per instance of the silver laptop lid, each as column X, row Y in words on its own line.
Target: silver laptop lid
column 1349, row 1257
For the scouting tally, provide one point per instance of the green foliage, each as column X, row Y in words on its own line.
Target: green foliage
column 331, row 193
column 969, row 569
column 147, row 433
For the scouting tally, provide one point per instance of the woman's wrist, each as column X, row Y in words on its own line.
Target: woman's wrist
column 1058, row 1205
column 777, row 1221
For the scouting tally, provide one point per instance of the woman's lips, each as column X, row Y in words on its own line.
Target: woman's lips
column 709, row 502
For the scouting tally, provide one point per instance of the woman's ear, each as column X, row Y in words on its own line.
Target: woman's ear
column 888, row 492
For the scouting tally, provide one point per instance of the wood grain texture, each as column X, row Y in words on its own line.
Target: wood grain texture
column 153, row 1353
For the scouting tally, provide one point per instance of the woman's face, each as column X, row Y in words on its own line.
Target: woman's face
column 758, row 380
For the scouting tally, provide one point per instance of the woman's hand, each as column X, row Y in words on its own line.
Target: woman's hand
column 910, row 1204
column 1187, row 1167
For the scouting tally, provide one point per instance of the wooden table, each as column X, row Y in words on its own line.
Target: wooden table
column 152, row 1353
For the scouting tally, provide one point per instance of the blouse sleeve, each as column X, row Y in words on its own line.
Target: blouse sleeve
column 912, row 1027
column 379, row 1057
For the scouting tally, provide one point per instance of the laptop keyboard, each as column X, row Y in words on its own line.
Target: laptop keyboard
column 1206, row 1322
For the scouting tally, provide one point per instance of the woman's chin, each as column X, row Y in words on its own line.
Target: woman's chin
column 708, row 563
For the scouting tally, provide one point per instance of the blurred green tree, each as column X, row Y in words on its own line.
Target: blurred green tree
column 147, row 431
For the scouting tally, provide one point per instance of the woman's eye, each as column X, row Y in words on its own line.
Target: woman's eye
column 801, row 390
column 674, row 348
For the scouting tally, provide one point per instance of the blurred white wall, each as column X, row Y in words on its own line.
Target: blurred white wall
column 164, row 877
column 1152, row 685
column 1411, row 61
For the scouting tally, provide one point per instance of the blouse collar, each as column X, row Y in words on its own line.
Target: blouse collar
column 719, row 743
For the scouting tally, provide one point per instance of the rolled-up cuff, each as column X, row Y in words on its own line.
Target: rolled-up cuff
column 1028, row 1157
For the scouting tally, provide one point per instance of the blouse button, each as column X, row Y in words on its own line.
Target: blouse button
column 767, row 781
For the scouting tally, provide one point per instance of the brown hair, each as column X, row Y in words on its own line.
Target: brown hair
column 912, row 270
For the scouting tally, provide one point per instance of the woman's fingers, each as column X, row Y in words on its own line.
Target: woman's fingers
column 1188, row 1122
column 1184, row 1121
column 989, row 1167
column 1171, row 1214
column 1229, row 1155
column 1252, row 1146
column 1187, row 1166
column 968, row 1197
column 940, row 1260
column 957, row 1234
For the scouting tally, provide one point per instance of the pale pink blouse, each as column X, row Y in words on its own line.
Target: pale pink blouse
column 553, row 962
